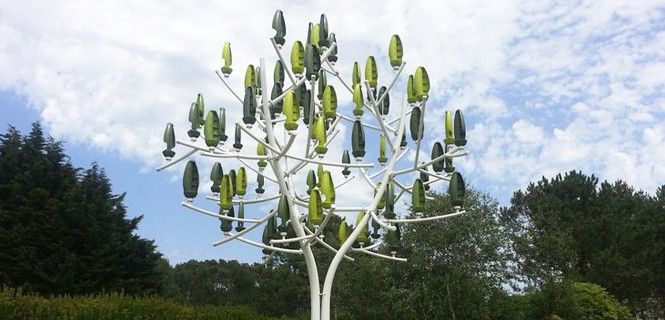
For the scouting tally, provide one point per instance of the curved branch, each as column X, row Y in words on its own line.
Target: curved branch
column 378, row 255
column 314, row 161
column 439, row 177
column 287, row 240
column 172, row 162
column 292, row 137
column 248, row 229
column 228, row 87
column 344, row 182
column 392, row 83
column 367, row 178
column 218, row 154
column 352, row 120
column 384, row 126
column 231, row 155
column 399, row 157
column 247, row 201
column 450, row 154
column 457, row 213
column 216, row 215
column 256, row 171
column 263, row 246
column 325, row 245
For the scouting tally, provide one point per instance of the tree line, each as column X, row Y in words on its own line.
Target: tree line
column 568, row 247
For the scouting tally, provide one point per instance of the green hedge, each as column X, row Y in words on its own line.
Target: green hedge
column 17, row 305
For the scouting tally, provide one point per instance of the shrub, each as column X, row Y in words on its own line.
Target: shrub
column 14, row 304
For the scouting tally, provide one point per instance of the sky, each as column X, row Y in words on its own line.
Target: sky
column 546, row 87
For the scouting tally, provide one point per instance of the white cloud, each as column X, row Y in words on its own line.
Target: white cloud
column 546, row 87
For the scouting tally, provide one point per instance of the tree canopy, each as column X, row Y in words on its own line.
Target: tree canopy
column 62, row 229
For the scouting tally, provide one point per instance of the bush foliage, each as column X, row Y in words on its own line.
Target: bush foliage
column 15, row 304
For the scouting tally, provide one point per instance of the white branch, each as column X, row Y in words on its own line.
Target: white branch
column 450, row 154
column 378, row 255
column 229, row 87
column 247, row 201
column 248, row 229
column 174, row 161
column 263, row 246
column 457, row 213
column 212, row 214
column 325, row 245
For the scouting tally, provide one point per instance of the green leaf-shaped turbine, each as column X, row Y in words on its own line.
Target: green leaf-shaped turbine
column 194, row 120
column 222, row 125
column 437, row 151
column 456, row 190
column 228, row 59
column 448, row 162
column 190, row 180
column 278, row 73
column 226, row 193
column 312, row 62
column 384, row 105
column 169, row 139
column 241, row 182
column 362, row 236
column 241, row 215
column 358, row 100
column 382, row 150
column 346, row 159
column 328, row 189
column 216, row 174
column 297, row 58
column 418, row 196
column 238, row 139
column 358, row 141
column 226, row 225
column 448, row 127
column 311, row 181
column 315, row 209
column 233, row 178
column 421, row 83
column 342, row 231
column 211, row 129
column 249, row 107
column 322, row 83
column 284, row 213
column 389, row 213
column 411, row 96
column 323, row 31
column 320, row 135
column 270, row 231
column 424, row 177
column 260, row 181
column 330, row 102
column 355, row 75
column 460, row 129
column 395, row 51
column 279, row 26
column 276, row 107
column 371, row 72
column 333, row 55
column 250, row 76
column 416, row 124
column 291, row 111
column 261, row 151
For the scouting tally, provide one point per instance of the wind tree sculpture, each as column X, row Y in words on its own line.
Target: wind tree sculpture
column 303, row 92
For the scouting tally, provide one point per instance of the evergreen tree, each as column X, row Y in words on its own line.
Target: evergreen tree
column 62, row 230
column 569, row 228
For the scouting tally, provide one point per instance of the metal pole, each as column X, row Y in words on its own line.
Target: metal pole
column 312, row 271
column 332, row 269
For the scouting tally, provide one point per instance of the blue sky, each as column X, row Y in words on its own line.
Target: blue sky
column 546, row 87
